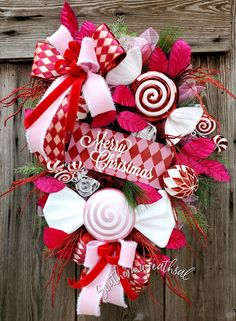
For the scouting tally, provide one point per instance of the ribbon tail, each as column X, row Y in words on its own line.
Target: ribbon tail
column 114, row 290
column 125, row 284
column 92, row 275
column 90, row 297
column 74, row 102
column 48, row 100
column 99, row 100
column 45, row 111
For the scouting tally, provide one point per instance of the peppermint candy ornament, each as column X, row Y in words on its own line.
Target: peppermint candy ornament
column 155, row 95
column 107, row 216
column 220, row 142
column 180, row 181
column 207, row 125
column 140, row 273
column 80, row 248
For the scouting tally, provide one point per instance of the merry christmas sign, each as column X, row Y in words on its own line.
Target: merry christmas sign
column 120, row 155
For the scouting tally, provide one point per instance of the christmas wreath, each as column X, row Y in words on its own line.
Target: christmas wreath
column 124, row 145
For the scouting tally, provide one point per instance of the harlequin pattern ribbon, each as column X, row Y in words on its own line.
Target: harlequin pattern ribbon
column 77, row 72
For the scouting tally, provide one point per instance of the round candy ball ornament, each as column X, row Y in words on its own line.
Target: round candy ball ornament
column 107, row 215
column 156, row 95
column 220, row 142
column 180, row 181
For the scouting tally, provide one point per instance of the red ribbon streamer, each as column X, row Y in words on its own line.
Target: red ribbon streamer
column 106, row 253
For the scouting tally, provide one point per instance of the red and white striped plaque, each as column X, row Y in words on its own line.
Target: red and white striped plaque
column 120, row 155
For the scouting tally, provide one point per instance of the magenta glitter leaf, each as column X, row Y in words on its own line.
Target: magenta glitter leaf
column 199, row 148
column 69, row 20
column 87, row 29
column 131, row 122
column 190, row 162
column 48, row 184
column 177, row 240
column 123, row 96
column 158, row 61
column 180, row 58
column 152, row 194
column 216, row 170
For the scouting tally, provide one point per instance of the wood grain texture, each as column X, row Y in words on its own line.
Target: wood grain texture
column 212, row 288
column 23, row 23
column 23, row 271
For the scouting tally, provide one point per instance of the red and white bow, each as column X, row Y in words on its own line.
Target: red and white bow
column 77, row 70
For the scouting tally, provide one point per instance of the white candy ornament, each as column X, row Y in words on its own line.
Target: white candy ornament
column 128, row 70
column 180, row 181
column 107, row 215
column 220, row 142
column 182, row 122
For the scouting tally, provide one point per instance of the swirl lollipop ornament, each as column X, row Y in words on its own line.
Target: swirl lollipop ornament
column 155, row 95
column 108, row 218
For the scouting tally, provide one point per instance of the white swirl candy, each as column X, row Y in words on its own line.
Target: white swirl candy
column 64, row 176
column 155, row 95
column 207, row 125
column 107, row 215
column 55, row 166
column 220, row 142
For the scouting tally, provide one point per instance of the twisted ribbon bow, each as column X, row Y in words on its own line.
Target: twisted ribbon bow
column 77, row 72
column 106, row 263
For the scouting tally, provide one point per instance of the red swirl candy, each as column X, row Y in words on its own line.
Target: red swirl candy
column 155, row 95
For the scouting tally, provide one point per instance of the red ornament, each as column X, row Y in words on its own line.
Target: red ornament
column 140, row 273
column 180, row 181
column 80, row 249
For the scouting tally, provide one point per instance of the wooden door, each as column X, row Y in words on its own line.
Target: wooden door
column 209, row 26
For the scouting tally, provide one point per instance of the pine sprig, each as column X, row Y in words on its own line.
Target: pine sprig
column 134, row 194
column 120, row 28
column 203, row 191
column 30, row 169
column 31, row 103
column 167, row 38
column 199, row 217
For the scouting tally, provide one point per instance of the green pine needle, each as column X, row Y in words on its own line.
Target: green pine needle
column 167, row 38
column 120, row 28
column 204, row 191
column 31, row 103
column 199, row 216
column 30, row 169
column 134, row 194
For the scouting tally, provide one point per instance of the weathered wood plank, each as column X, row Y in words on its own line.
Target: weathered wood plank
column 212, row 287
column 23, row 23
column 23, row 271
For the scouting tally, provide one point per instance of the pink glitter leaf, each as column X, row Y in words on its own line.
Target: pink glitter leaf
column 190, row 162
column 131, row 122
column 123, row 96
column 199, row 148
column 48, row 184
column 216, row 170
column 180, row 58
column 152, row 194
column 69, row 20
column 87, row 29
column 158, row 61
column 177, row 240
